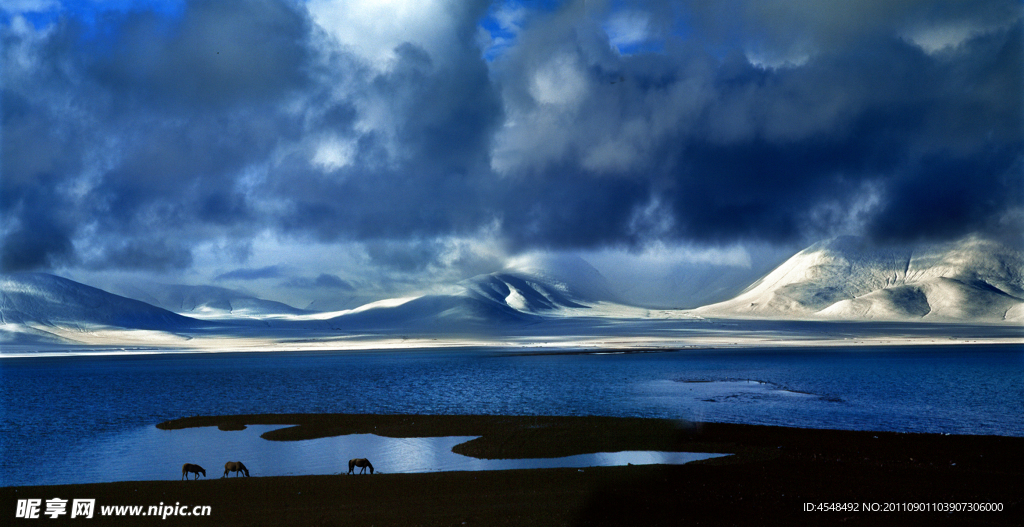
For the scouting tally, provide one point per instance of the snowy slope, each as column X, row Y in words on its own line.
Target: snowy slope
column 573, row 276
column 37, row 306
column 521, row 292
column 972, row 280
column 552, row 287
column 429, row 313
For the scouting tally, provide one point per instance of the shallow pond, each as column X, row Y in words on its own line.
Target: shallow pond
column 153, row 454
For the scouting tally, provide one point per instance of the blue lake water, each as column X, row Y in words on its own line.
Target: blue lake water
column 56, row 410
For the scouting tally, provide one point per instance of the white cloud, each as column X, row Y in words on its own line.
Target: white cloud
column 773, row 60
column 628, row 28
column 559, row 81
column 946, row 36
column 373, row 29
column 334, row 152
column 30, row 6
column 536, row 127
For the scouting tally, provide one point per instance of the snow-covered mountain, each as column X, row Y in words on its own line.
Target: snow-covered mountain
column 42, row 307
column 206, row 301
column 972, row 280
column 523, row 293
column 544, row 285
column 37, row 306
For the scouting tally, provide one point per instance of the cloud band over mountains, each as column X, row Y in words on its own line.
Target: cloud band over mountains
column 130, row 137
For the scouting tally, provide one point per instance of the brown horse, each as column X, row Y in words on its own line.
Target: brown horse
column 359, row 462
column 235, row 466
column 189, row 467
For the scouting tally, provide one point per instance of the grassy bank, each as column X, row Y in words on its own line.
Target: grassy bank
column 774, row 473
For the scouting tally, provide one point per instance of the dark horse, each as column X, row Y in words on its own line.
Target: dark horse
column 235, row 466
column 189, row 467
column 359, row 462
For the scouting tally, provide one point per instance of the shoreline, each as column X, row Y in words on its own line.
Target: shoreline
column 773, row 474
column 532, row 349
column 581, row 335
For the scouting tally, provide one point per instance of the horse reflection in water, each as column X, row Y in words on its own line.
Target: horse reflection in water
column 359, row 462
column 195, row 469
column 235, row 466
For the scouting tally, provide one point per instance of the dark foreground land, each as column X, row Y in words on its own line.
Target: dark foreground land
column 773, row 476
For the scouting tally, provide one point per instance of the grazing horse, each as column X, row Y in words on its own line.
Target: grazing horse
column 359, row 462
column 189, row 467
column 235, row 466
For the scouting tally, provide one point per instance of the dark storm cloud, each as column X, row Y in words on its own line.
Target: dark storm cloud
column 333, row 282
column 262, row 273
column 912, row 143
column 141, row 124
column 38, row 233
column 570, row 209
column 216, row 53
column 954, row 196
column 130, row 141
column 423, row 172
column 163, row 254
column 323, row 281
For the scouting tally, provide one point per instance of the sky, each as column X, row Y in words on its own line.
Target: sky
column 302, row 150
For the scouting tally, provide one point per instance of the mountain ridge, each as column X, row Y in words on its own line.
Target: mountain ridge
column 843, row 279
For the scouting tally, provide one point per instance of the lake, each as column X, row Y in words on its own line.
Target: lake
column 56, row 408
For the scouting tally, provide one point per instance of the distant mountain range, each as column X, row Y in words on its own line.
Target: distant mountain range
column 43, row 307
column 973, row 281
column 205, row 301
column 551, row 287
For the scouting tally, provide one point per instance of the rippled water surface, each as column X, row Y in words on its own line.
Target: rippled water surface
column 54, row 407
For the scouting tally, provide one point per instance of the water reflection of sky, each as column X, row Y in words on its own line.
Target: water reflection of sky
column 722, row 390
column 152, row 454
